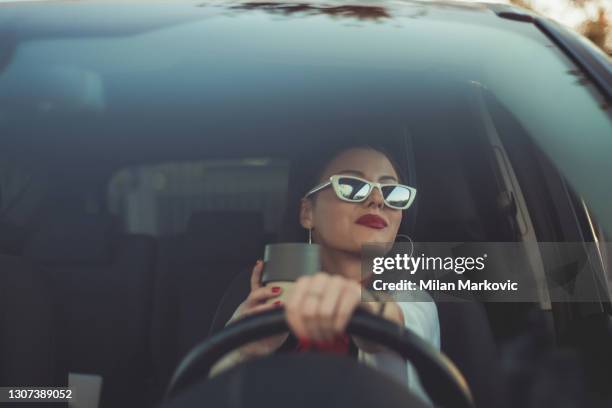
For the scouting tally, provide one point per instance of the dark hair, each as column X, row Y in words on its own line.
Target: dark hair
column 318, row 166
column 306, row 172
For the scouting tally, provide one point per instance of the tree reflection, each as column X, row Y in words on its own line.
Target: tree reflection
column 596, row 27
column 372, row 13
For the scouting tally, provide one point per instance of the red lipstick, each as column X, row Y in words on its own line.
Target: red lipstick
column 372, row 221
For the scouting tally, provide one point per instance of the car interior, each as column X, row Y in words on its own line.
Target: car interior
column 127, row 246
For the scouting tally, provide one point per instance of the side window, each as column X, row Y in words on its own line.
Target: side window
column 159, row 199
column 548, row 210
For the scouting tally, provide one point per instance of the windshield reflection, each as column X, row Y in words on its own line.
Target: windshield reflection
column 358, row 12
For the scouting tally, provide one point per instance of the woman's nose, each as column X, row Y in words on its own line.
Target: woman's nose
column 375, row 199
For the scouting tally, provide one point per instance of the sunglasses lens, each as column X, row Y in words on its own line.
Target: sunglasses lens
column 352, row 189
column 396, row 196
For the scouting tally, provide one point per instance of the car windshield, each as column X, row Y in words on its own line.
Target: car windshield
column 57, row 89
column 142, row 157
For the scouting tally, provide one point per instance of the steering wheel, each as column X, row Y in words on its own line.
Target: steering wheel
column 441, row 379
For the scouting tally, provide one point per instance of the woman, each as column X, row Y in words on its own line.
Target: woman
column 321, row 305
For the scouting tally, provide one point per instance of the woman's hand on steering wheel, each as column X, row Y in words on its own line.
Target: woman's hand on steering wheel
column 321, row 305
column 257, row 302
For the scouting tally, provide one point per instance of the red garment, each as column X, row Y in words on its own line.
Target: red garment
column 340, row 345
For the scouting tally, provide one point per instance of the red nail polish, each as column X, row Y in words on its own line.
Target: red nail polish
column 277, row 303
column 276, row 289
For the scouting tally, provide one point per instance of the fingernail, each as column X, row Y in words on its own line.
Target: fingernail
column 277, row 303
column 276, row 289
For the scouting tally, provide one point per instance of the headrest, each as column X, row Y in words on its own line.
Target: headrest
column 81, row 238
column 224, row 235
column 448, row 212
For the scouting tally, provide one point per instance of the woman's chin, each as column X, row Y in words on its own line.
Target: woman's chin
column 373, row 236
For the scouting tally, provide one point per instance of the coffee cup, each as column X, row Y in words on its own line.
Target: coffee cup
column 284, row 263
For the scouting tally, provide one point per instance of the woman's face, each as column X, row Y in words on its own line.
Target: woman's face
column 346, row 226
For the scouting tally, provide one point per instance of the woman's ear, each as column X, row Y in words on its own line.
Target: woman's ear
column 306, row 217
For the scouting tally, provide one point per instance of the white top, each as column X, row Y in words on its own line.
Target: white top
column 421, row 317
